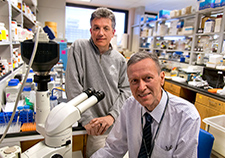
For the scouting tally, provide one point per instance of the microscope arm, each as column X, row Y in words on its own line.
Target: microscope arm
column 60, row 118
column 65, row 115
column 58, row 127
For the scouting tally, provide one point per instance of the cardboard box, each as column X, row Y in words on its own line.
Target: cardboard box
column 209, row 26
column 216, row 126
column 173, row 13
column 186, row 10
column 222, row 3
column 207, row 4
column 163, row 14
column 218, row 3
column 147, row 18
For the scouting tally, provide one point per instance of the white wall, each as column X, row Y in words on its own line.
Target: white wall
column 51, row 10
column 54, row 11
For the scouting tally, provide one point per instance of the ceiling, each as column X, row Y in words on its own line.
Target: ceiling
column 150, row 5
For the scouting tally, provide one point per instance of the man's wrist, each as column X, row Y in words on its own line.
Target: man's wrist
column 112, row 117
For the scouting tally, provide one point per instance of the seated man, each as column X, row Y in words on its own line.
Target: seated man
column 152, row 123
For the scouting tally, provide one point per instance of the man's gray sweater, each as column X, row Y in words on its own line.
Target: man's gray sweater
column 87, row 68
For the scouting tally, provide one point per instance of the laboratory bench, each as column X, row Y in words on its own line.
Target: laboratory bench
column 208, row 104
column 27, row 139
column 194, row 89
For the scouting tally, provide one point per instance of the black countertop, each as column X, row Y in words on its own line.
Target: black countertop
column 198, row 90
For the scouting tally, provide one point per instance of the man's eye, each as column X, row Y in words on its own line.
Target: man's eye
column 133, row 81
column 106, row 28
column 148, row 78
column 96, row 28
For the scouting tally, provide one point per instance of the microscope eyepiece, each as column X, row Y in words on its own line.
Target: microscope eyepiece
column 99, row 95
column 90, row 91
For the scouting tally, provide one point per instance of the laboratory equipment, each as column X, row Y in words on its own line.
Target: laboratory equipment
column 57, row 128
column 54, row 125
column 198, row 82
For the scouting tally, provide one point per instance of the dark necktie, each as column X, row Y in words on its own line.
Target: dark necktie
column 146, row 139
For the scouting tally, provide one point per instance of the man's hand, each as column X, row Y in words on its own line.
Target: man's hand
column 104, row 122
column 92, row 130
column 98, row 126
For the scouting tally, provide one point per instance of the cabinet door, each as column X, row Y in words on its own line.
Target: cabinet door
column 202, row 99
column 172, row 88
column 205, row 112
column 216, row 104
column 210, row 102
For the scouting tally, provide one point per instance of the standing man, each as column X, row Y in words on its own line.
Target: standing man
column 94, row 64
column 173, row 122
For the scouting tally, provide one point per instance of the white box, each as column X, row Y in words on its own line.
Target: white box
column 173, row 31
column 162, row 30
column 218, row 22
column 216, row 126
column 215, row 58
column 209, row 26
column 175, row 13
column 188, row 30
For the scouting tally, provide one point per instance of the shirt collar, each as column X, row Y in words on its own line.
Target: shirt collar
column 158, row 111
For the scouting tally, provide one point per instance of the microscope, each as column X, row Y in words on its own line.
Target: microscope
column 55, row 125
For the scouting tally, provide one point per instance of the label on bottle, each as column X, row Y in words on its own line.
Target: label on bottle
column 11, row 97
column 3, row 34
column 0, row 35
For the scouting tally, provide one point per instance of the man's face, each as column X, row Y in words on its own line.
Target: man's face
column 146, row 83
column 102, row 32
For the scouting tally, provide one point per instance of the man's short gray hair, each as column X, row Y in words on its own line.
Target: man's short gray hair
column 143, row 55
column 104, row 13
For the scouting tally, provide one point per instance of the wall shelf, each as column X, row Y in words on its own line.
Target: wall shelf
column 193, row 20
column 8, row 13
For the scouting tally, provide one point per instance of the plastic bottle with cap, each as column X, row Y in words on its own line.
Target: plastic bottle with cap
column 32, row 100
column 26, row 92
column 3, row 32
column 15, row 79
column 19, row 4
column 12, row 90
column 14, row 31
column 31, row 74
column 29, row 82
column 53, row 101
column 20, row 108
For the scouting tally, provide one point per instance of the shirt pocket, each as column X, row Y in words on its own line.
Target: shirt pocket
column 159, row 152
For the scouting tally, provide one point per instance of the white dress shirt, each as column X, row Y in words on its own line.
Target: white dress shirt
column 177, row 136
